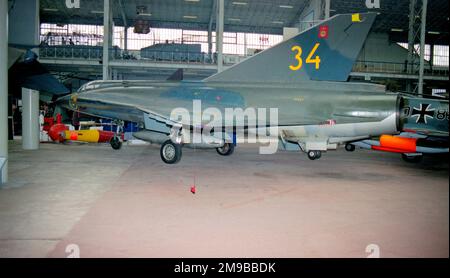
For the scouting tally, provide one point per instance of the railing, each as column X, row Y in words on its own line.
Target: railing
column 80, row 52
column 96, row 53
column 71, row 52
column 396, row 68
column 168, row 56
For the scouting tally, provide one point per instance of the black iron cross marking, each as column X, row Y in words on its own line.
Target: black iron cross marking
column 422, row 113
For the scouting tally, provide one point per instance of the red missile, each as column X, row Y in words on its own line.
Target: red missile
column 56, row 132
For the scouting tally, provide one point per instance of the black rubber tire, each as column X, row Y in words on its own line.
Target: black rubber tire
column 318, row 154
column 115, row 142
column 170, row 152
column 350, row 147
column 412, row 159
column 227, row 149
column 312, row 155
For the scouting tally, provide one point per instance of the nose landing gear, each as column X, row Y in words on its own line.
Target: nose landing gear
column 116, row 141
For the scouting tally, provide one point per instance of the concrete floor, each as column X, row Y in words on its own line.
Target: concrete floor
column 128, row 203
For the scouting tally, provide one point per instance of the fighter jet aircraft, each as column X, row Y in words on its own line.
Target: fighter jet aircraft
column 425, row 131
column 304, row 78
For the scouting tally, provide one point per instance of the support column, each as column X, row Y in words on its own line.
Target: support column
column 125, row 40
column 24, row 23
column 423, row 26
column 209, row 42
column 411, row 36
column 106, row 38
column 210, row 27
column 4, row 91
column 245, row 45
column 219, row 34
column 327, row 8
column 30, row 119
column 125, row 26
column 37, row 27
column 431, row 56
column 416, row 36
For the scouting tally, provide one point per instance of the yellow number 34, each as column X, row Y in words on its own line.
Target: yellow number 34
column 309, row 59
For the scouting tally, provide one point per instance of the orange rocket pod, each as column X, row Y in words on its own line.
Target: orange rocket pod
column 397, row 144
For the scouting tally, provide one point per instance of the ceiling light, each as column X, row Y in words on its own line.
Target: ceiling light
column 142, row 11
column 239, row 3
column 277, row 22
column 97, row 12
column 433, row 33
column 190, row 16
column 286, row 6
column 50, row 10
column 234, row 19
column 192, row 1
column 396, row 30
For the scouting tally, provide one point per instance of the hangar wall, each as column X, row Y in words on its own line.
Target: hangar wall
column 378, row 48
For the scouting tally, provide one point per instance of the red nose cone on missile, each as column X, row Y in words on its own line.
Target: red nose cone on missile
column 56, row 132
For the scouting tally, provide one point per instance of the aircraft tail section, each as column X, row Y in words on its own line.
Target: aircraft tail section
column 326, row 51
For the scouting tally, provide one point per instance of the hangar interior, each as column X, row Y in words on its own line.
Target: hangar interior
column 128, row 204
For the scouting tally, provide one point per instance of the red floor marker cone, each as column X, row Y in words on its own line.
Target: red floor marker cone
column 193, row 189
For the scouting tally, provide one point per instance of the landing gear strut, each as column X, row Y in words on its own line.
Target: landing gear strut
column 313, row 155
column 226, row 149
column 170, row 152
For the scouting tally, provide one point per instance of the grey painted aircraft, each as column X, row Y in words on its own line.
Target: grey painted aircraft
column 305, row 77
column 425, row 131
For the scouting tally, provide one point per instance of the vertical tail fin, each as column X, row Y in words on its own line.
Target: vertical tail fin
column 326, row 51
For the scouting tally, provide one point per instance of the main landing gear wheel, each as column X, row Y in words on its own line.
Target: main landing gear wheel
column 115, row 142
column 226, row 149
column 313, row 155
column 411, row 158
column 350, row 147
column 170, row 152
